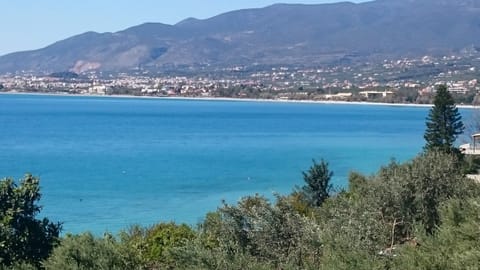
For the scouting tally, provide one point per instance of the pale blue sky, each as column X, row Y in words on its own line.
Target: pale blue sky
column 32, row 24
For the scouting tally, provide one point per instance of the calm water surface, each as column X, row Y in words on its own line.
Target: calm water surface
column 106, row 163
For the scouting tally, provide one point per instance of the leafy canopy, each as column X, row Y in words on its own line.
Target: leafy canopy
column 23, row 238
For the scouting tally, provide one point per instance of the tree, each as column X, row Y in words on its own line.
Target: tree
column 23, row 238
column 411, row 193
column 317, row 186
column 444, row 122
column 456, row 244
column 256, row 234
column 78, row 252
column 352, row 232
column 155, row 244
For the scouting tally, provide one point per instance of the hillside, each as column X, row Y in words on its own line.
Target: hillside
column 278, row 34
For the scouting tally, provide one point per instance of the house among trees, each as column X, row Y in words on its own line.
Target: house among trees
column 473, row 148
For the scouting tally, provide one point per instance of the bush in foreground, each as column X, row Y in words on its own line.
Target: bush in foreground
column 403, row 217
column 24, row 239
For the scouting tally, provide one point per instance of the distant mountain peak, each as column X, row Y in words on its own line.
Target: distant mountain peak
column 280, row 34
column 187, row 21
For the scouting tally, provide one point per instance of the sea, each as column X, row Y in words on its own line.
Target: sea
column 107, row 163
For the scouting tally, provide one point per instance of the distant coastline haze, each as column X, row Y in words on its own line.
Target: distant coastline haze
column 30, row 25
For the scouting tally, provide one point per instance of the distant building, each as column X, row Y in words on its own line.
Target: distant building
column 99, row 89
column 338, row 96
column 376, row 94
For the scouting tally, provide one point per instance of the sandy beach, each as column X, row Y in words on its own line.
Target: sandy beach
column 330, row 102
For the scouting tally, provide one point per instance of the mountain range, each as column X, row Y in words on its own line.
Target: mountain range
column 281, row 34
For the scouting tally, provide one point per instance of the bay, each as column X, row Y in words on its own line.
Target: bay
column 106, row 163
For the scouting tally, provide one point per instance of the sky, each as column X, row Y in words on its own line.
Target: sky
column 33, row 24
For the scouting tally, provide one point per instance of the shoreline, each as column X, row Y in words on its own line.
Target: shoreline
column 321, row 102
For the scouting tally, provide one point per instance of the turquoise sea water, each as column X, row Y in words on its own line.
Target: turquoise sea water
column 106, row 163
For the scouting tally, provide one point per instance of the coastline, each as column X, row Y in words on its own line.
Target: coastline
column 322, row 102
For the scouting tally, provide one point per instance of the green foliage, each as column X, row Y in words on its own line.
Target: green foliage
column 258, row 234
column 23, row 238
column 444, row 122
column 352, row 259
column 456, row 245
column 156, row 245
column 471, row 164
column 162, row 238
column 362, row 227
column 353, row 233
column 195, row 257
column 82, row 252
column 357, row 183
column 317, row 186
column 19, row 266
column 300, row 204
column 412, row 193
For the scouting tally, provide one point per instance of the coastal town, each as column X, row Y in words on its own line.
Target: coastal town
column 243, row 135
column 406, row 80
